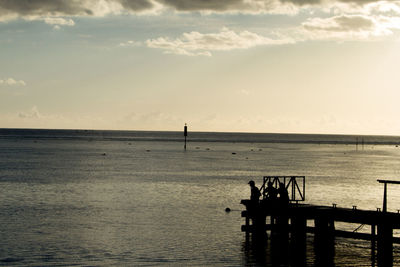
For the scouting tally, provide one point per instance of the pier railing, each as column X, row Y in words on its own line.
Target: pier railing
column 296, row 186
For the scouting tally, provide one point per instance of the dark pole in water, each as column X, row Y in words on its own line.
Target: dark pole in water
column 185, row 134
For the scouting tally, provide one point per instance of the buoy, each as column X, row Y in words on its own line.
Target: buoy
column 227, row 210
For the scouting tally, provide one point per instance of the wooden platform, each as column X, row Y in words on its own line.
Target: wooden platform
column 291, row 222
column 311, row 212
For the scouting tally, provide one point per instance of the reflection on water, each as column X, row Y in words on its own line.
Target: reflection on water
column 255, row 252
column 279, row 251
column 273, row 251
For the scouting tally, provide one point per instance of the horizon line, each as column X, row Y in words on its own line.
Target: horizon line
column 196, row 131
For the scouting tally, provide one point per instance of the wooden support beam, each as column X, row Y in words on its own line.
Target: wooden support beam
column 385, row 245
column 324, row 237
column 373, row 242
column 298, row 238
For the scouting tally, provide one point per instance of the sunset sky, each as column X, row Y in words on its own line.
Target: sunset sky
column 294, row 66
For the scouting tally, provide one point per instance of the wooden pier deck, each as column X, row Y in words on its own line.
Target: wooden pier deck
column 292, row 222
column 313, row 212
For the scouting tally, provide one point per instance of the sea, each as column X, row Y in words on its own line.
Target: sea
column 138, row 198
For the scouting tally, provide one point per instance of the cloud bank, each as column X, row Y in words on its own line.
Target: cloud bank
column 337, row 28
column 350, row 27
column 196, row 43
column 336, row 20
column 31, row 9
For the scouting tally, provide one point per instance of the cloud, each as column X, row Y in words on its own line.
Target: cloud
column 33, row 113
column 12, row 82
column 137, row 5
column 320, row 2
column 340, row 28
column 349, row 20
column 27, row 9
column 346, row 27
column 196, row 43
column 232, row 6
column 59, row 21
column 340, row 24
column 130, row 44
column 195, row 5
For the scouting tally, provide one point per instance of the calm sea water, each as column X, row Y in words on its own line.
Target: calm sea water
column 103, row 198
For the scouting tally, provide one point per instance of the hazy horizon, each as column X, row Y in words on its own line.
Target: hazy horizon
column 355, row 135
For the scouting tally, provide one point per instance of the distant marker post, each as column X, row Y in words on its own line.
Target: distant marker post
column 185, row 134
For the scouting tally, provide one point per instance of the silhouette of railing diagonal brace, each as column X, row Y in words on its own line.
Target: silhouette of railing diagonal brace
column 296, row 186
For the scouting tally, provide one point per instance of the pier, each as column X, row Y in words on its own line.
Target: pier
column 290, row 223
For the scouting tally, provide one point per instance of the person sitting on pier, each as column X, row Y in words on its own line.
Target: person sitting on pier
column 255, row 192
column 283, row 195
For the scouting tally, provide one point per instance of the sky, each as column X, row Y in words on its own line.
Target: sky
column 278, row 66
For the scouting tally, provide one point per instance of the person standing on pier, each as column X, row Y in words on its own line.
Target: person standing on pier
column 254, row 202
column 255, row 192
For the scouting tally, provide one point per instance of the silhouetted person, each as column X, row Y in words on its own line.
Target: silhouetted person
column 282, row 219
column 253, row 208
column 283, row 195
column 272, row 192
column 271, row 195
column 255, row 193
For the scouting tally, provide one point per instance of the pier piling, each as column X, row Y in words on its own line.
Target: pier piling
column 385, row 244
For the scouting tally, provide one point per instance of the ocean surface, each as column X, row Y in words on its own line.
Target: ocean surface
column 132, row 198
